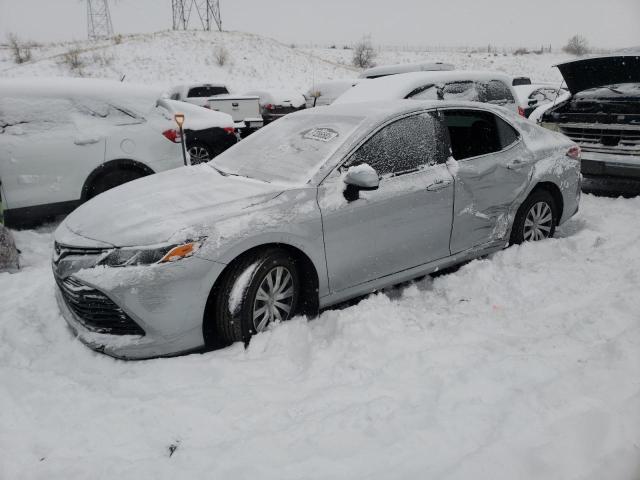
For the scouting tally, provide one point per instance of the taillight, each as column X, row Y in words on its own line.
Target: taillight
column 230, row 130
column 574, row 152
column 521, row 111
column 269, row 106
column 173, row 135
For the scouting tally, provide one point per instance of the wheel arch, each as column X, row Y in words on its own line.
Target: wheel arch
column 555, row 192
column 112, row 166
column 309, row 280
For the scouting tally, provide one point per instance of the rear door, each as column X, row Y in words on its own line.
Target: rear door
column 406, row 222
column 492, row 168
column 47, row 148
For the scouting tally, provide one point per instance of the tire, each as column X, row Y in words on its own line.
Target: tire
column 238, row 299
column 536, row 219
column 112, row 179
column 199, row 153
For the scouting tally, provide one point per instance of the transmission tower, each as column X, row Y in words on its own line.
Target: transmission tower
column 99, row 19
column 206, row 12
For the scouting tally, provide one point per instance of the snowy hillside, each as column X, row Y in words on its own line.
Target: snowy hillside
column 167, row 58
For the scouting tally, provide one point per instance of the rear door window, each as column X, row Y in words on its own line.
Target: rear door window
column 207, row 91
column 404, row 146
column 466, row 90
column 475, row 132
column 497, row 93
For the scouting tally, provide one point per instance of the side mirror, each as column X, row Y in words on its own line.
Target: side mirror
column 360, row 177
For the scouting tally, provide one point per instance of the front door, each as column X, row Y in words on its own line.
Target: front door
column 406, row 222
column 491, row 168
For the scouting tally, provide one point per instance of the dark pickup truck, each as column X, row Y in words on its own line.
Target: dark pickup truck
column 602, row 115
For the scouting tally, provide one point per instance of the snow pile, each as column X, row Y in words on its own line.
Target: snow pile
column 522, row 365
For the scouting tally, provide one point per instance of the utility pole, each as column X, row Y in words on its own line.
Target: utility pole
column 99, row 19
column 207, row 11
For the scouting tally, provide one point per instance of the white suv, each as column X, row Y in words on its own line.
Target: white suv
column 64, row 141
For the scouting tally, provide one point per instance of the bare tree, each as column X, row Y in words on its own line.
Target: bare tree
column 363, row 54
column 221, row 54
column 21, row 51
column 577, row 45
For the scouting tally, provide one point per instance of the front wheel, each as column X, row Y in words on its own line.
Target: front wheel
column 259, row 290
column 536, row 219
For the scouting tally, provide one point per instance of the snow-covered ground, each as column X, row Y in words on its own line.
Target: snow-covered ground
column 523, row 365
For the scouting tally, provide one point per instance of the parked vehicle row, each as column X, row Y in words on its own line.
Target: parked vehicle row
column 296, row 216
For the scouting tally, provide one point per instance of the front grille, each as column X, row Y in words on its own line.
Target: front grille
column 94, row 310
column 622, row 141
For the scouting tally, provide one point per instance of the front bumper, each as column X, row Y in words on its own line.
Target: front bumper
column 166, row 301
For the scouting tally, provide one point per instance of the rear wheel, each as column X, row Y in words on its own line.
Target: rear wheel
column 199, row 153
column 536, row 219
column 112, row 179
column 259, row 290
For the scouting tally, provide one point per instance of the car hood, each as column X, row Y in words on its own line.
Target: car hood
column 595, row 72
column 172, row 206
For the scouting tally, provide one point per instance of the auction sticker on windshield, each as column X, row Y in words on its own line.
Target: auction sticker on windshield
column 322, row 134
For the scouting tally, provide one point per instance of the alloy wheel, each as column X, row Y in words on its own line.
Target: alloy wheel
column 274, row 298
column 198, row 154
column 538, row 222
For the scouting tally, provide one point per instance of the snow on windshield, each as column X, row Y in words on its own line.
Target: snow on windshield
column 290, row 150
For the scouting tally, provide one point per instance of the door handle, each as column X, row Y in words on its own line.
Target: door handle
column 516, row 164
column 86, row 141
column 439, row 185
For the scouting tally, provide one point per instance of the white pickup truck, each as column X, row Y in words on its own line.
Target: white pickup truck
column 245, row 109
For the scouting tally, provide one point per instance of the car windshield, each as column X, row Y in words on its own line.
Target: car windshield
column 289, row 150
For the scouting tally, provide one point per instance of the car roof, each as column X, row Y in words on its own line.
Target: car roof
column 399, row 86
column 405, row 68
column 379, row 111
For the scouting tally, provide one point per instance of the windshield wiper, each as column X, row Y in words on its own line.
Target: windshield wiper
column 224, row 174
column 613, row 89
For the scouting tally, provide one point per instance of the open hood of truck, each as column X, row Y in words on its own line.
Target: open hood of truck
column 595, row 72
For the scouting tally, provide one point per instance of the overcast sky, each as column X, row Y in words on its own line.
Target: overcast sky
column 610, row 23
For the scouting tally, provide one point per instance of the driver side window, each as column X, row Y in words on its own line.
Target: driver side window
column 404, row 146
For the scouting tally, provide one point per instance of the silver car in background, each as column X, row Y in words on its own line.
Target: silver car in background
column 322, row 206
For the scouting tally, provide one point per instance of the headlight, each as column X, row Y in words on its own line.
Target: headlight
column 126, row 257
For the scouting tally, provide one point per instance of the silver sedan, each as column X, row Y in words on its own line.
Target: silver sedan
column 322, row 206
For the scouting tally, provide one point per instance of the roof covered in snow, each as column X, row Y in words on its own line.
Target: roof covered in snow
column 279, row 97
column 399, row 86
column 384, row 70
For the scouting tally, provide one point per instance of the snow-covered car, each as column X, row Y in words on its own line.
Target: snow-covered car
column 385, row 70
column 278, row 103
column 601, row 113
column 486, row 87
column 197, row 93
column 324, row 93
column 534, row 95
column 297, row 217
column 63, row 142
